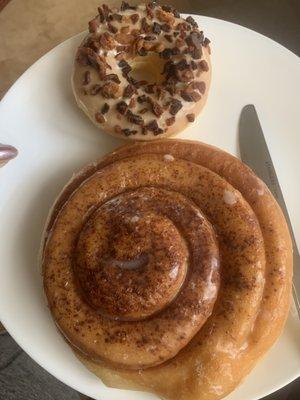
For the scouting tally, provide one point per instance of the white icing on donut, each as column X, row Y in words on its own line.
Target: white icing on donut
column 229, row 197
column 168, row 157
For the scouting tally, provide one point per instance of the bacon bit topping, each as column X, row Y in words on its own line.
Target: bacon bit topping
column 185, row 75
column 191, row 21
column 132, row 103
column 128, row 132
column 112, row 77
column 134, row 118
column 201, row 86
column 101, row 14
column 124, row 39
column 167, row 8
column 204, row 65
column 195, row 39
column 166, row 53
column 206, row 42
column 105, row 108
column 156, row 28
column 150, row 37
column 124, row 66
column 190, row 117
column 117, row 17
column 145, row 26
column 169, row 38
column 196, row 54
column 176, row 105
column 171, row 89
column 134, row 18
column 153, row 127
column 86, row 78
column 122, row 107
column 150, row 88
column 175, row 51
column 99, row 118
column 179, row 42
column 125, row 6
column 193, row 65
column 165, row 27
column 95, row 89
column 112, row 28
column 149, row 11
column 104, row 12
column 172, row 10
column 142, row 99
column 110, row 90
column 156, row 109
column 190, row 96
column 94, row 24
column 106, row 41
column 170, row 121
column 164, row 16
column 106, row 9
column 129, row 91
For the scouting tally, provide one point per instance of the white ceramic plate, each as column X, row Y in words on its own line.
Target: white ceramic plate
column 39, row 116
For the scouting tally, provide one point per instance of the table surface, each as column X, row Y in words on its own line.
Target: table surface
column 30, row 28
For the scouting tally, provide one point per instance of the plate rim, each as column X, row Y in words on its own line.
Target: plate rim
column 70, row 383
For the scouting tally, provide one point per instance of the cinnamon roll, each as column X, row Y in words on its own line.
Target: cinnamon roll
column 167, row 267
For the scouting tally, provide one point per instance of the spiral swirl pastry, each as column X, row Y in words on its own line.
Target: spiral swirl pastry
column 167, row 267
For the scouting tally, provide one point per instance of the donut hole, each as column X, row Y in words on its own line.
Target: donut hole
column 148, row 68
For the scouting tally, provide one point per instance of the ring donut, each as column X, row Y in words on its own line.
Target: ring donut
column 142, row 71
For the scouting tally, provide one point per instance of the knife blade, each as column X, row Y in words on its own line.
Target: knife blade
column 255, row 153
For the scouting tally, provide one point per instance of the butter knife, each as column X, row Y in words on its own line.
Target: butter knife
column 255, row 153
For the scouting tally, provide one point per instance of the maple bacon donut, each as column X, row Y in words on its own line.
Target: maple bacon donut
column 142, row 72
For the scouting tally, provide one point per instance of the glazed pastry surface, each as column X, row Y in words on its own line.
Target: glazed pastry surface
column 168, row 266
